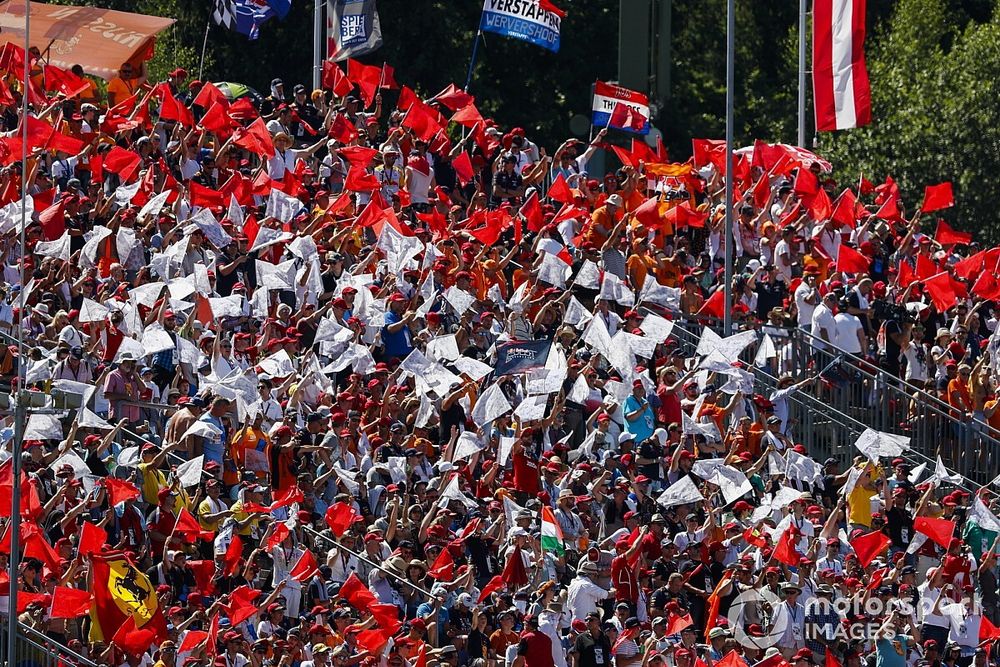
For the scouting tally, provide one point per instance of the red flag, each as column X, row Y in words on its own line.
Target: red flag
column 549, row 7
column 204, row 572
column 648, row 213
column 305, row 568
column 335, row 80
column 340, row 516
column 677, row 622
column 532, row 212
column 92, row 539
column 715, row 305
column 627, row 118
column 367, row 78
column 850, row 260
column 841, row 92
column 194, row 638
column 370, row 216
column 806, row 183
column 131, row 640
column 69, row 602
column 421, row 656
column 233, row 557
column 343, row 130
column 945, row 235
column 122, row 162
column 714, row 602
column 494, row 584
column 172, row 109
column 278, row 535
column 938, row 530
column 53, row 220
column 784, row 550
column 709, row 151
column 937, row 197
column 360, row 156
column 939, row 288
column 987, row 631
column 387, row 616
column 869, row 545
column 212, row 641
column 925, row 267
column 188, row 525
column 685, row 216
column 360, row 180
column 64, row 81
column 289, row 496
column 217, row 120
column 204, row 196
column 443, row 567
column 831, row 659
column 242, row 604
column 355, row 592
column 731, row 659
column 560, row 190
column 890, row 211
column 755, row 537
column 453, row 97
column 847, row 210
column 120, row 490
column 208, row 95
column 463, row 168
column 373, row 640
column 468, row 116
column 255, row 138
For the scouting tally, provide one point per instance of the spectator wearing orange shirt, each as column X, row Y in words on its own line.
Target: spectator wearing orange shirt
column 602, row 222
column 126, row 83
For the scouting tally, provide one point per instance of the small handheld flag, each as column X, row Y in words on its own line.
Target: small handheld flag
column 552, row 537
column 620, row 108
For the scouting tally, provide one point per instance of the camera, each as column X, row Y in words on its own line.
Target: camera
column 886, row 310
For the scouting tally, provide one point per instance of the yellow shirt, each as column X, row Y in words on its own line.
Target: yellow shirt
column 241, row 516
column 859, row 506
column 152, row 481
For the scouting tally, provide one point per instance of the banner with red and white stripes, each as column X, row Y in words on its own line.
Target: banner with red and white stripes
column 840, row 81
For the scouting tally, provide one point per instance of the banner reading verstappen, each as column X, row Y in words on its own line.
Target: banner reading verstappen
column 520, row 356
column 606, row 96
column 121, row 591
column 522, row 19
column 352, row 28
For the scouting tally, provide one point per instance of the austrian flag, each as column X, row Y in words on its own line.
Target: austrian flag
column 840, row 80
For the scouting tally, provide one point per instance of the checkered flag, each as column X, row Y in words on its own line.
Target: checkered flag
column 224, row 14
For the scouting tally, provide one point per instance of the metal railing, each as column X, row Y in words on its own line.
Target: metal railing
column 35, row 649
column 852, row 394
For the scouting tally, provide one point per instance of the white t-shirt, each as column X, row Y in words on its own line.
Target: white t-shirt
column 846, row 336
column 822, row 318
column 805, row 310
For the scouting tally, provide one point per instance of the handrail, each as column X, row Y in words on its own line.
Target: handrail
column 44, row 643
column 315, row 533
column 925, row 396
column 813, row 404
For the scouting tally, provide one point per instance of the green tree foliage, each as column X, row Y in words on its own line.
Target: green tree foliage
column 933, row 66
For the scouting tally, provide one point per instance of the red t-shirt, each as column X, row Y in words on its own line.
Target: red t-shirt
column 113, row 339
column 624, row 579
column 536, row 648
column 526, row 474
column 670, row 406
column 651, row 548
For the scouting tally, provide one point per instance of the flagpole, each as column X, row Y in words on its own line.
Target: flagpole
column 204, row 46
column 803, row 8
column 317, row 42
column 730, row 84
column 472, row 62
column 19, row 408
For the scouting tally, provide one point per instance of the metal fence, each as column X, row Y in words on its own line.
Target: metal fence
column 851, row 394
column 34, row 649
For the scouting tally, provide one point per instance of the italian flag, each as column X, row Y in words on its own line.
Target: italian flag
column 552, row 537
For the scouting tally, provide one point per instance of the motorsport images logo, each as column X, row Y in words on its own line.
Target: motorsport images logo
column 773, row 620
